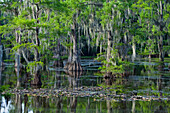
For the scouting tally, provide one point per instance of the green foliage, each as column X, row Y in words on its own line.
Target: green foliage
column 4, row 87
column 101, row 56
column 116, row 65
column 112, row 68
column 33, row 64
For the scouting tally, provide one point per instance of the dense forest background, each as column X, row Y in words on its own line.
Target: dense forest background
column 35, row 32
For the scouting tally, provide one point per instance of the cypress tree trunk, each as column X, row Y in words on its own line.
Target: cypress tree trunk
column 75, row 61
column 70, row 51
column 58, row 62
column 101, row 43
column 75, row 51
column 36, row 16
column 125, row 47
column 70, row 54
column 37, row 78
column 36, row 53
column 160, row 47
column 108, row 74
column 79, row 42
column 109, row 48
column 133, row 49
column 161, row 26
column 17, row 53
column 1, row 50
column 1, row 53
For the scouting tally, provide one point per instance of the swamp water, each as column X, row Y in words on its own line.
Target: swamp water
column 145, row 89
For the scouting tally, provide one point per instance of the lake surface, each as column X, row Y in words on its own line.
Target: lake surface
column 147, row 79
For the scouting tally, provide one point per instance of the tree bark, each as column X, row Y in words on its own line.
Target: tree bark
column 109, row 48
column 70, row 51
column 37, row 78
column 58, row 62
column 75, row 62
column 1, row 54
column 160, row 47
column 161, row 26
column 75, row 49
column 17, row 53
column 133, row 49
column 74, row 65
column 36, row 15
column 125, row 50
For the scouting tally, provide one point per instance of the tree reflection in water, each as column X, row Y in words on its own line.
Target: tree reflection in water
column 144, row 80
column 73, row 78
column 19, row 104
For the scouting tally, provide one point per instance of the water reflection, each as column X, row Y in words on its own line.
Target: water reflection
column 146, row 79
column 73, row 77
column 57, row 79
column 20, row 104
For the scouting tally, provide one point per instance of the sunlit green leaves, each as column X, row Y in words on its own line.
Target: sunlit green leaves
column 166, row 17
column 33, row 64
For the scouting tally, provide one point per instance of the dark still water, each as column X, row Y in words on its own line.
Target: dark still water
column 145, row 89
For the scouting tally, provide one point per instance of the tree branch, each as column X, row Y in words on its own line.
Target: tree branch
column 23, row 53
